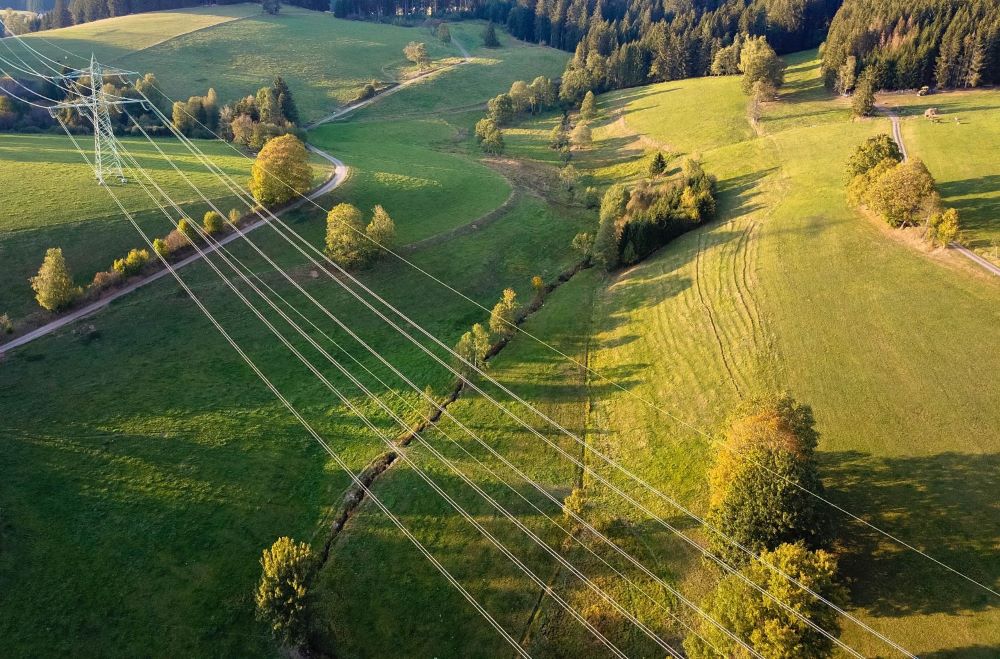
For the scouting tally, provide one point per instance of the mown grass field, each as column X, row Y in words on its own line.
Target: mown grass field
column 138, row 438
column 50, row 199
column 236, row 49
column 960, row 151
column 792, row 289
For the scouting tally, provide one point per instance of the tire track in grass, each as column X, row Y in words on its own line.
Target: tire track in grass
column 708, row 310
column 740, row 277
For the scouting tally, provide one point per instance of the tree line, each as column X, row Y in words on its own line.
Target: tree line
column 905, row 44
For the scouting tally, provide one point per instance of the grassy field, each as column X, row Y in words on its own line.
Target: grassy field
column 172, row 477
column 326, row 61
column 960, row 151
column 420, row 174
column 139, row 439
column 489, row 72
column 52, row 200
column 792, row 289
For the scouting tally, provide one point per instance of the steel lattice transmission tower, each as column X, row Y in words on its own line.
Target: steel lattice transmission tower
column 96, row 105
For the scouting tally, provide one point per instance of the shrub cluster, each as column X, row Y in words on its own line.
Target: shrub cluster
column 761, row 505
column 901, row 193
column 353, row 244
column 634, row 223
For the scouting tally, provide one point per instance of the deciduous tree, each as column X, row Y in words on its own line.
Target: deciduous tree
column 53, row 285
column 416, row 52
column 345, row 236
column 767, row 625
column 381, row 231
column 281, row 171
column 282, row 594
column 504, row 315
column 761, row 480
column 759, row 62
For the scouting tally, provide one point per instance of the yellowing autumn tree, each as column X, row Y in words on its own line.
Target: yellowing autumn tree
column 281, row 171
column 282, row 592
column 345, row 236
column 53, row 285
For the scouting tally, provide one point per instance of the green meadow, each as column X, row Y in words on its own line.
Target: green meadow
column 146, row 467
column 960, row 151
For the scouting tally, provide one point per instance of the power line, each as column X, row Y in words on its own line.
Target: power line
column 276, row 221
column 648, row 403
column 223, row 253
column 316, row 436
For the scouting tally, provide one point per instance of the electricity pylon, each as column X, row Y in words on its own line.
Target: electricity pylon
column 96, row 106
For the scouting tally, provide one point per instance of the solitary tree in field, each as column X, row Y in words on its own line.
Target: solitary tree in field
column 281, row 171
column 504, row 315
column 416, row 52
column 345, row 236
column 271, row 6
column 658, row 165
column 282, row 594
column 443, row 33
column 761, row 480
column 490, row 36
column 53, row 285
column 765, row 624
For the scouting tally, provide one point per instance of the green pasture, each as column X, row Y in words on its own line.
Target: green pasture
column 418, row 174
column 52, row 200
column 960, row 149
column 489, row 72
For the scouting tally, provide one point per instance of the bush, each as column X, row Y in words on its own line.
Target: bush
column 484, row 127
column 943, row 227
column 368, row 91
column 213, row 223
column 133, row 262
column 493, row 143
column 104, row 280
column 160, row 247
column 503, row 318
column 235, row 216
column 6, row 325
column 764, row 624
column 282, row 594
column 186, row 228
column 443, row 33
column 176, row 240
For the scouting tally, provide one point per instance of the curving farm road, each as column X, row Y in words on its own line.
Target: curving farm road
column 340, row 173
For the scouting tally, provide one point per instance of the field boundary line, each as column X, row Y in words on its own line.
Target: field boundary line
column 182, row 34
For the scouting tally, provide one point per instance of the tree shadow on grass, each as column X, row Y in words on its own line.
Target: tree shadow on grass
column 969, row 652
column 944, row 504
column 977, row 211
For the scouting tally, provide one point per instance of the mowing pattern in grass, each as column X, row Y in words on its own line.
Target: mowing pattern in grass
column 790, row 288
